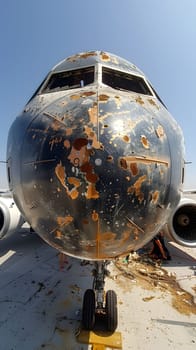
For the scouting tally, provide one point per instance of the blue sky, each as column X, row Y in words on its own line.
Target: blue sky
column 158, row 36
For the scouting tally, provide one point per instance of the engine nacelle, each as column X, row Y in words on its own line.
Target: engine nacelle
column 182, row 225
column 10, row 217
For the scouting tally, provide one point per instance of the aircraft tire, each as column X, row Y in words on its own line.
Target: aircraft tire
column 88, row 309
column 111, row 310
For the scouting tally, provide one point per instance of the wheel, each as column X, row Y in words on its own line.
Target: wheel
column 111, row 310
column 88, row 309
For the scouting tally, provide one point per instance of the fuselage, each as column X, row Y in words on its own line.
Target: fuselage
column 95, row 160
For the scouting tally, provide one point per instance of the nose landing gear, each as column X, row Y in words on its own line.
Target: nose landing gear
column 97, row 303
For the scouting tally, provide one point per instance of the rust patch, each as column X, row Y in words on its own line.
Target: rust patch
column 144, row 141
column 85, row 221
column 137, row 187
column 66, row 144
column 90, row 175
column 73, row 193
column 155, row 197
column 108, row 236
column 93, row 137
column 103, row 98
column 79, row 154
column 64, row 221
column 88, row 54
column 123, row 163
column 93, row 114
column 139, row 100
column 134, row 169
column 91, row 192
column 144, row 160
column 60, row 173
column 82, row 55
column 126, row 138
column 88, row 93
column 110, row 158
column 58, row 234
column 153, row 103
column 95, row 216
column 160, row 131
column 79, row 143
column 75, row 97
column 105, row 57
column 74, row 181
column 86, row 168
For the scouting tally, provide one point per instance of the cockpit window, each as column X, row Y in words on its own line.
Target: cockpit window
column 124, row 81
column 69, row 80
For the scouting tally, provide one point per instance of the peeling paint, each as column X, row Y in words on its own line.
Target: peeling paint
column 160, row 131
column 139, row 100
column 144, row 141
column 153, row 103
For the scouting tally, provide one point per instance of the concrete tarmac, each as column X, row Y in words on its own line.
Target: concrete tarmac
column 41, row 305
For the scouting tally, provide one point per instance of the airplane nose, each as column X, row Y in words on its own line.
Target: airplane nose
column 95, row 174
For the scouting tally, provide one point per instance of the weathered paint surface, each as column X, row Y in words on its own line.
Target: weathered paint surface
column 97, row 171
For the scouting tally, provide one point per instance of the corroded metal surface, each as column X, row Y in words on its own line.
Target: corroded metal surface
column 96, row 171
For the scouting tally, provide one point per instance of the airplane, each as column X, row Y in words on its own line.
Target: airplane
column 95, row 165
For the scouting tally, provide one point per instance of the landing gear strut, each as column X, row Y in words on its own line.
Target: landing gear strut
column 98, row 303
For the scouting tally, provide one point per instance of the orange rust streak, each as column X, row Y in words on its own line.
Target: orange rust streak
column 155, row 196
column 144, row 160
column 60, row 173
column 93, row 114
column 137, row 185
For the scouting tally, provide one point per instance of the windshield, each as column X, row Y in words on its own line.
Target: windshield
column 69, row 80
column 124, row 81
